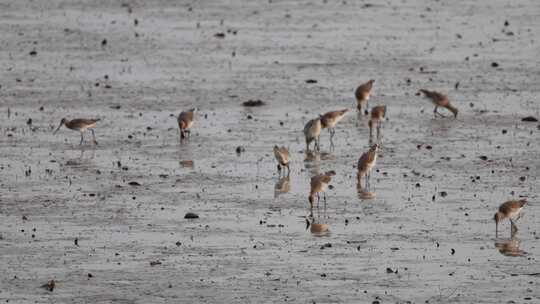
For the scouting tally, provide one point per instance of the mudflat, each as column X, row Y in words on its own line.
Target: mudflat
column 106, row 222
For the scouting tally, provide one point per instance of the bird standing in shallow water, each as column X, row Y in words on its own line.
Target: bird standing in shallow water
column 81, row 125
column 282, row 156
column 440, row 100
column 329, row 121
column 362, row 94
column 377, row 116
column 509, row 210
column 185, row 121
column 365, row 165
column 312, row 132
column 318, row 185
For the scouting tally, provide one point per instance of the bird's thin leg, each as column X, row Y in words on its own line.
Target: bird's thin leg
column 324, row 196
column 279, row 169
column 513, row 225
column 317, row 143
column 318, row 199
column 379, row 131
column 82, row 138
column 288, row 170
column 93, row 136
column 367, row 107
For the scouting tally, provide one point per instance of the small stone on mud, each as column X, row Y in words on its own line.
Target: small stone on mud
column 443, row 193
column 178, row 243
column 191, row 215
column 33, row 53
column 240, row 149
column 494, row 64
column 219, row 35
column 154, row 263
column 134, row 183
column 389, row 270
column 529, row 119
column 483, row 157
column 90, row 275
column 522, row 178
column 504, row 131
column 452, row 251
column 253, row 103
column 249, row 117
column 311, row 81
column 104, row 42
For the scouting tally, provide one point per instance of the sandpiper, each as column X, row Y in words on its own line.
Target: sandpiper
column 366, row 163
column 81, row 125
column 312, row 132
column 330, row 119
column 362, row 94
column 377, row 116
column 318, row 185
column 185, row 121
column 439, row 100
column 282, row 156
column 509, row 210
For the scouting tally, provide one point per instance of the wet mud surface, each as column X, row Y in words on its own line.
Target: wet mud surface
column 107, row 222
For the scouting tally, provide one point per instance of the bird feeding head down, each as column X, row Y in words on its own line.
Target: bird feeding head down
column 62, row 122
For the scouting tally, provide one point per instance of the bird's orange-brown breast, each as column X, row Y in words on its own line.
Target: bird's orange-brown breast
column 366, row 161
column 378, row 112
column 511, row 208
column 185, row 120
column 363, row 91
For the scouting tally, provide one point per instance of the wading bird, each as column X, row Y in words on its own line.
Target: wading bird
column 81, row 125
column 509, row 210
column 377, row 116
column 312, row 132
column 185, row 122
column 329, row 121
column 282, row 156
column 318, row 185
column 365, row 165
column 439, row 100
column 362, row 95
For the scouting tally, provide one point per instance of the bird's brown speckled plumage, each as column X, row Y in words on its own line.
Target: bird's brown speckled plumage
column 366, row 162
column 439, row 100
column 319, row 183
column 509, row 210
column 362, row 93
column 185, row 122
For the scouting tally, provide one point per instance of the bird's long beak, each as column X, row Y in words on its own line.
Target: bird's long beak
column 58, row 128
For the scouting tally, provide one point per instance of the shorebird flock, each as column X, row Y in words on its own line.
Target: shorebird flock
column 511, row 210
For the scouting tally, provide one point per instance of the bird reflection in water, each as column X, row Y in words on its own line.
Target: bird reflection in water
column 283, row 185
column 317, row 223
column 510, row 247
column 82, row 160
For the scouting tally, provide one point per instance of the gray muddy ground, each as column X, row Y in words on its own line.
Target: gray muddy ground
column 137, row 64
